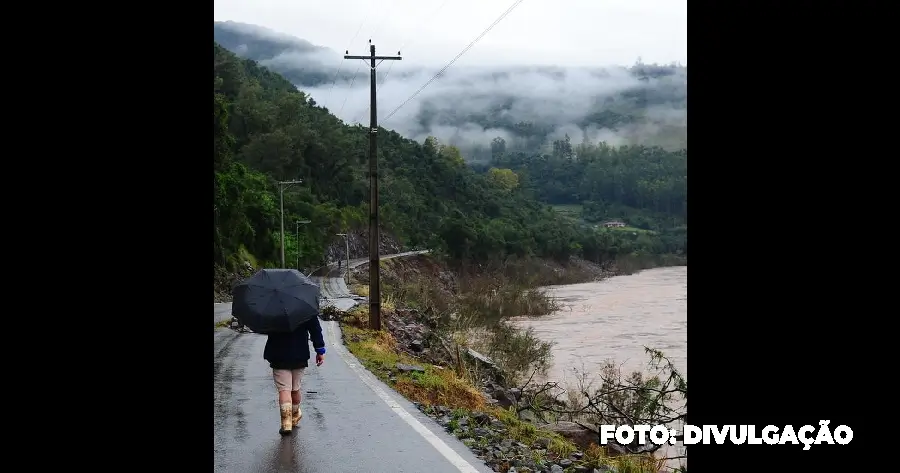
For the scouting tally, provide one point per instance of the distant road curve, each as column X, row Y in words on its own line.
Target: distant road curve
column 330, row 279
column 334, row 287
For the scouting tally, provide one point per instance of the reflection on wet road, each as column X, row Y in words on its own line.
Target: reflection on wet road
column 346, row 426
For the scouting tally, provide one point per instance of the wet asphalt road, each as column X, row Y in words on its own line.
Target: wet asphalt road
column 347, row 426
column 221, row 311
column 334, row 288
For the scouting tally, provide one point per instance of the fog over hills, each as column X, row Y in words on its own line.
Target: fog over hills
column 468, row 106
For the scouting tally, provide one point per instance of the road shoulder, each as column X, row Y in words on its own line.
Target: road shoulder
column 448, row 446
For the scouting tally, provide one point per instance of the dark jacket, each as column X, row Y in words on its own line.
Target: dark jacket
column 290, row 351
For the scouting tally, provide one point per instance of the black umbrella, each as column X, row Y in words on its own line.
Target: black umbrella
column 275, row 301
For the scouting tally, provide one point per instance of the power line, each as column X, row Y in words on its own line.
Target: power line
column 356, row 73
column 381, row 22
column 378, row 26
column 402, row 45
column 350, row 89
column 432, row 13
column 466, row 49
column 341, row 64
column 406, row 41
column 384, row 77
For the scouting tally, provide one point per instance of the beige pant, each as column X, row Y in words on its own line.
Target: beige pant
column 288, row 380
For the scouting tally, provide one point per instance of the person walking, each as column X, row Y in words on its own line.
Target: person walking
column 288, row 355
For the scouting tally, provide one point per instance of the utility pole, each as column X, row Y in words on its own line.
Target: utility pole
column 282, row 185
column 374, row 282
column 298, row 241
column 347, row 254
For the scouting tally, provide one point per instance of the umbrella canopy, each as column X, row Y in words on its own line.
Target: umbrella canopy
column 275, row 301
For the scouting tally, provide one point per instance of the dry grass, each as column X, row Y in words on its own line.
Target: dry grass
column 436, row 386
column 479, row 300
column 357, row 317
column 482, row 295
column 596, row 456
column 488, row 300
column 388, row 303
column 528, row 433
column 360, row 289
column 425, row 294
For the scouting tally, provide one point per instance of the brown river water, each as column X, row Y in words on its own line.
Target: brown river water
column 613, row 320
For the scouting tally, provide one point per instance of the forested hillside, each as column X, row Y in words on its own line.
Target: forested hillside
column 647, row 186
column 262, row 45
column 266, row 130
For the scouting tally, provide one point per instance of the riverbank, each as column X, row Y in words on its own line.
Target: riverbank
column 448, row 346
column 478, row 306
column 475, row 387
column 529, row 272
column 409, row 357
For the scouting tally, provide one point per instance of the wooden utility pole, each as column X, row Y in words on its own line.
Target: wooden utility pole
column 374, row 274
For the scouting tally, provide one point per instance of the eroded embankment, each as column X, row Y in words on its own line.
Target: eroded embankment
column 442, row 349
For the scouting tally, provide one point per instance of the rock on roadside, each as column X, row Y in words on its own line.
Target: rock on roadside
column 487, row 437
column 237, row 326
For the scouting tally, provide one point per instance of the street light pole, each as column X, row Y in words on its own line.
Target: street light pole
column 347, row 242
column 298, row 241
column 282, row 185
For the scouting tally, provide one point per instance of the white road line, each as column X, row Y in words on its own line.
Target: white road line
column 454, row 458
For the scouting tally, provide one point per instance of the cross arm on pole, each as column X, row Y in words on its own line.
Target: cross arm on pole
column 282, row 185
column 367, row 58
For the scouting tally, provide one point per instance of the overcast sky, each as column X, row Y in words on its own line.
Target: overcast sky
column 432, row 32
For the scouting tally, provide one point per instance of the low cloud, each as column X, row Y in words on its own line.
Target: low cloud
column 470, row 105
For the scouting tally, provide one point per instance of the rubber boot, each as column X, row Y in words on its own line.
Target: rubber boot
column 297, row 414
column 286, row 419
